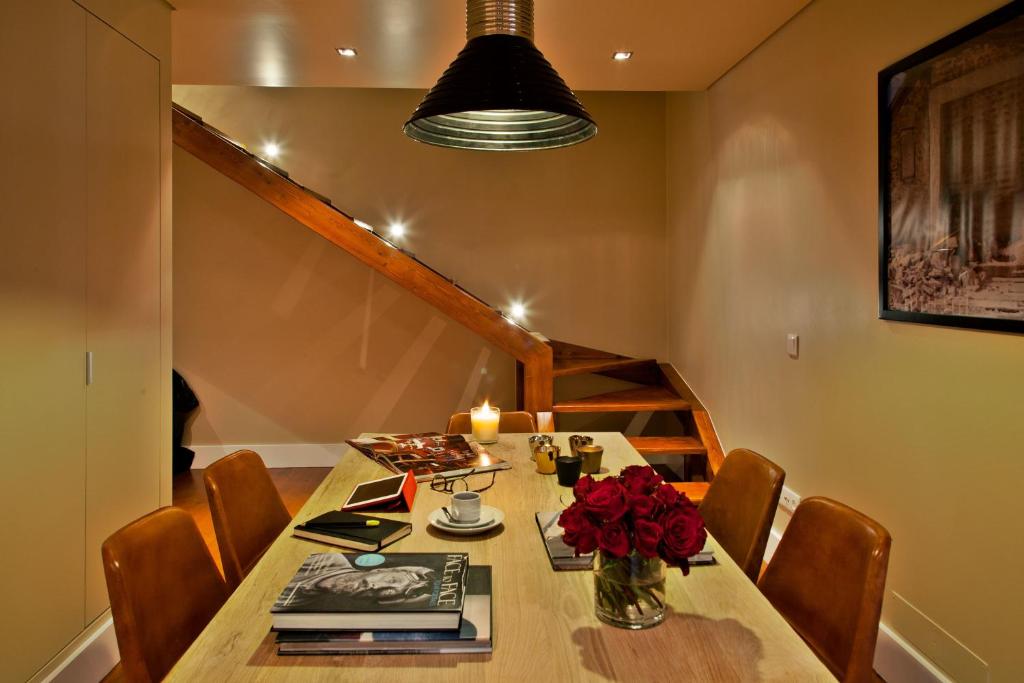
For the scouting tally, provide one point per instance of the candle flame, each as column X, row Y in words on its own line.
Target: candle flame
column 485, row 408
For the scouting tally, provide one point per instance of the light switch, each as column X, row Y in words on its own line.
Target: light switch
column 793, row 345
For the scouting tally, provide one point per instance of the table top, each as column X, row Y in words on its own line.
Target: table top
column 718, row 627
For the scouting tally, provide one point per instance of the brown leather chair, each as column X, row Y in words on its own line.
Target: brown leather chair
column 164, row 588
column 248, row 513
column 740, row 504
column 827, row 578
column 514, row 422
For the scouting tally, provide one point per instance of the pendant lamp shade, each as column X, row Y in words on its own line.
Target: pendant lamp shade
column 500, row 93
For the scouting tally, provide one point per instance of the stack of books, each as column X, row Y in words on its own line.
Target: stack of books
column 705, row 556
column 563, row 557
column 399, row 603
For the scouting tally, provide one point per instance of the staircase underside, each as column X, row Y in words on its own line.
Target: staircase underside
column 316, row 212
column 564, row 367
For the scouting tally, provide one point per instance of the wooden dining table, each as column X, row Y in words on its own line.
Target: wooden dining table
column 718, row 626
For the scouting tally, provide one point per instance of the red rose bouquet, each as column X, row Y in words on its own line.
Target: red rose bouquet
column 636, row 521
column 633, row 511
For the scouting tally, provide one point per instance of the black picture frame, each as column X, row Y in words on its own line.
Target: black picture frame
column 994, row 20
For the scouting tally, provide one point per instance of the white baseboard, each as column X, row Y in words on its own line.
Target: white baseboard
column 276, row 454
column 774, row 536
column 896, row 660
column 87, row 659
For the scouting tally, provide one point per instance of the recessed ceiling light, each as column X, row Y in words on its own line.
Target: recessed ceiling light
column 518, row 311
column 271, row 150
column 396, row 230
column 347, row 51
column 622, row 55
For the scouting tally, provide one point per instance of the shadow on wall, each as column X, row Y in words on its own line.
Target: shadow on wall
column 286, row 339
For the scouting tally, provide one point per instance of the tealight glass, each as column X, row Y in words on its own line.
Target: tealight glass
column 485, row 423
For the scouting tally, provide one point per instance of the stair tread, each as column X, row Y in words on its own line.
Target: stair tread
column 625, row 401
column 650, row 445
column 694, row 490
column 582, row 366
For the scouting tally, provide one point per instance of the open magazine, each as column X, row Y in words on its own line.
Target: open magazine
column 428, row 454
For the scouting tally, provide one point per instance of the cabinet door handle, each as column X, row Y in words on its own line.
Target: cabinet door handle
column 88, row 368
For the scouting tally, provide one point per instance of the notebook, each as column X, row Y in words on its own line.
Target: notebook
column 333, row 528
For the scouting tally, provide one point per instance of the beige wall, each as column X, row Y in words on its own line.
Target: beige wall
column 287, row 339
column 772, row 196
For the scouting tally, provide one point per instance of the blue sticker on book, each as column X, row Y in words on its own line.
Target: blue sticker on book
column 370, row 560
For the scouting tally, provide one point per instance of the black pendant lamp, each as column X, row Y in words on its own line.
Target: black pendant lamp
column 500, row 93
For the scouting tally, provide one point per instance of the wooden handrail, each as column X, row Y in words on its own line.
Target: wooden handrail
column 533, row 354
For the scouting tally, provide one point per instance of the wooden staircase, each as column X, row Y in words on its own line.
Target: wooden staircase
column 659, row 388
column 539, row 361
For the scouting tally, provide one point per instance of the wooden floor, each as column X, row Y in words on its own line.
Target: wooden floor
column 295, row 485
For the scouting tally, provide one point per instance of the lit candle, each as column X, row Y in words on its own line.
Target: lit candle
column 485, row 423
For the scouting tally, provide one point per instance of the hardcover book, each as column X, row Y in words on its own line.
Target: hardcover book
column 337, row 528
column 705, row 556
column 370, row 592
column 562, row 556
column 474, row 634
column 428, row 454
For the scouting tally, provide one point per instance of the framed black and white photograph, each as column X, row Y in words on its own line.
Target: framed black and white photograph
column 951, row 179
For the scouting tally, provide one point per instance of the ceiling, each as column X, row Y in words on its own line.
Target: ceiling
column 678, row 44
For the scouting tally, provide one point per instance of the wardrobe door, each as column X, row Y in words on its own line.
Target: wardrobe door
column 123, row 292
column 42, row 332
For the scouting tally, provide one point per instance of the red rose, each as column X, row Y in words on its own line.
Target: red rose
column 683, row 534
column 640, row 479
column 666, row 495
column 646, row 536
column 584, row 485
column 606, row 501
column 580, row 532
column 642, row 506
column 613, row 539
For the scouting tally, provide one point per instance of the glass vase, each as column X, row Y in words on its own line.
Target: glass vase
column 629, row 592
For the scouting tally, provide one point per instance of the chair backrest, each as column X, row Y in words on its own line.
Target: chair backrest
column 164, row 588
column 827, row 578
column 513, row 422
column 248, row 513
column 740, row 504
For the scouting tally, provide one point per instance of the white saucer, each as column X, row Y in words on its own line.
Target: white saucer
column 490, row 517
column 485, row 518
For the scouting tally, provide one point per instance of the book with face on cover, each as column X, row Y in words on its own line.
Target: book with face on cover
column 474, row 634
column 372, row 592
column 428, row 454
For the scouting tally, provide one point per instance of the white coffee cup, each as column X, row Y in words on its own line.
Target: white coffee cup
column 466, row 506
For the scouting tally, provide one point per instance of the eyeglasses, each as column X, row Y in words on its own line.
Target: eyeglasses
column 447, row 484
